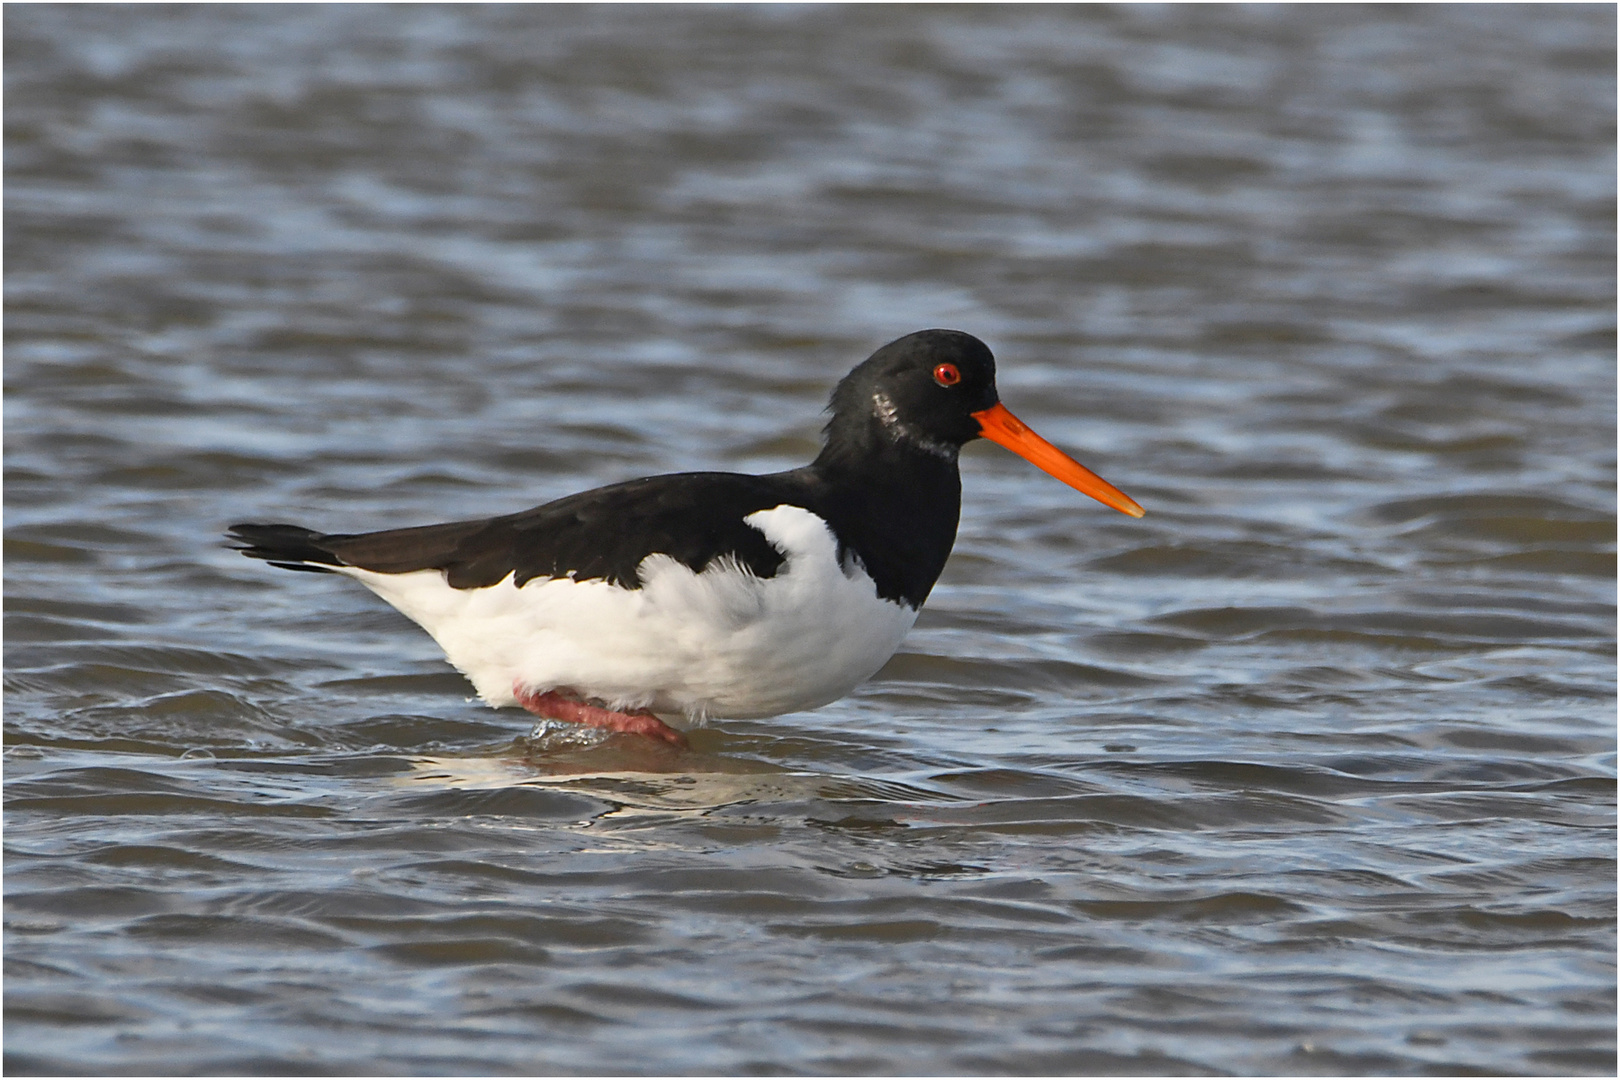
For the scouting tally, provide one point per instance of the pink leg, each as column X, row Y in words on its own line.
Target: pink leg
column 553, row 706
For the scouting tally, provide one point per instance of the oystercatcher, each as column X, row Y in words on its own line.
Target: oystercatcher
column 697, row 595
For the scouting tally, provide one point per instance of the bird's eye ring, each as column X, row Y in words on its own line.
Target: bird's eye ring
column 947, row 375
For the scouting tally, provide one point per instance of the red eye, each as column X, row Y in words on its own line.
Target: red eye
column 947, row 375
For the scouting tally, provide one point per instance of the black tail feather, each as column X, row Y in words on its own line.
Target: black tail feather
column 288, row 546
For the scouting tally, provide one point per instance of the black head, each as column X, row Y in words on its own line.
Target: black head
column 916, row 395
column 915, row 401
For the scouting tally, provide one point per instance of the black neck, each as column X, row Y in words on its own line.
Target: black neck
column 895, row 506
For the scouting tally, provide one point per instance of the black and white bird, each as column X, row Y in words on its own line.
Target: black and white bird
column 704, row 595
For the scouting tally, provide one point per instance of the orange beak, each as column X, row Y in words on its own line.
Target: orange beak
column 1000, row 426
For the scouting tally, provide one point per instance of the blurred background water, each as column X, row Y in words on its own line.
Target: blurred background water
column 1310, row 770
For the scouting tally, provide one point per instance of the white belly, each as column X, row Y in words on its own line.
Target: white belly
column 722, row 643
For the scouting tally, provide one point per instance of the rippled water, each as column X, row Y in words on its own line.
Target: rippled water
column 1310, row 770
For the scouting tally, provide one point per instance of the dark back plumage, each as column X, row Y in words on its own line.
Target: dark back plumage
column 886, row 482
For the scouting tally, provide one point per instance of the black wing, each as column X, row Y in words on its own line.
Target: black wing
column 694, row 518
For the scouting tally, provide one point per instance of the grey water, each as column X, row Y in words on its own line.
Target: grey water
column 1310, row 770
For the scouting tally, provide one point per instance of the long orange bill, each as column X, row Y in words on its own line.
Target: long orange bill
column 999, row 425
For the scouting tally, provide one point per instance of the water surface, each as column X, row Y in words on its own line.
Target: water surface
column 1311, row 770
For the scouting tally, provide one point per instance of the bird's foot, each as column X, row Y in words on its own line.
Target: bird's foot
column 554, row 706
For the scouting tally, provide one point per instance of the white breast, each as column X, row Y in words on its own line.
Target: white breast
column 722, row 643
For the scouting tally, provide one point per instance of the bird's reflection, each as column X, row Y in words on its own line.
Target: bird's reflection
column 632, row 771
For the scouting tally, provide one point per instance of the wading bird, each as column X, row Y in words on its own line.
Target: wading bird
column 697, row 595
